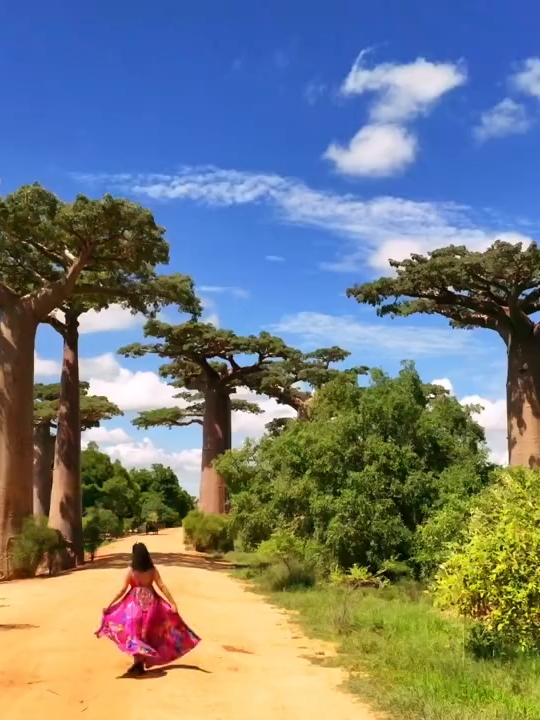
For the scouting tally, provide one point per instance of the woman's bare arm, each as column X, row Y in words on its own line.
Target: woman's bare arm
column 125, row 587
column 164, row 590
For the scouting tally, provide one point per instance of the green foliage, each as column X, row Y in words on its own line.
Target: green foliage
column 133, row 497
column 208, row 533
column 468, row 287
column 33, row 546
column 373, row 465
column 493, row 576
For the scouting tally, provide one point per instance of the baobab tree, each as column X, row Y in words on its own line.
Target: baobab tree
column 498, row 289
column 95, row 409
column 144, row 295
column 292, row 381
column 207, row 359
column 45, row 246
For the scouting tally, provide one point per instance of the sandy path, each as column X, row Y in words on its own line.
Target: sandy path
column 248, row 667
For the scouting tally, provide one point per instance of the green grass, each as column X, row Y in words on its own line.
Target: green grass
column 405, row 657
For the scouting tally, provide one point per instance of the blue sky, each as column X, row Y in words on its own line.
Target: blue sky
column 290, row 149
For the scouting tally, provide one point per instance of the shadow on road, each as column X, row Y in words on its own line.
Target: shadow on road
column 120, row 561
column 163, row 672
column 17, row 626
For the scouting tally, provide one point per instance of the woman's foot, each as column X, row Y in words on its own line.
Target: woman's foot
column 137, row 669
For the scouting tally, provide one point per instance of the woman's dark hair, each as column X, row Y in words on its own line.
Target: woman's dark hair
column 141, row 560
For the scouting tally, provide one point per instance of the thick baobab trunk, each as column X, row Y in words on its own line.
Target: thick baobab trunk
column 17, row 339
column 216, row 440
column 43, row 461
column 66, row 500
column 523, row 399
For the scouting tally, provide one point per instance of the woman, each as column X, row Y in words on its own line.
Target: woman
column 141, row 623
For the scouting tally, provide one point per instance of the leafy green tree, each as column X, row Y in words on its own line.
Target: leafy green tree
column 155, row 510
column 46, row 246
column 96, row 469
column 121, row 494
column 369, row 469
column 162, row 481
column 205, row 359
column 94, row 410
column 497, row 290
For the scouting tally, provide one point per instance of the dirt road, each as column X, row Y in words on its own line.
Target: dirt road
column 249, row 665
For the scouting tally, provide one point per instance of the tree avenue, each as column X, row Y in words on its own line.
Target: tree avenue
column 95, row 409
column 498, row 290
column 206, row 360
column 46, row 246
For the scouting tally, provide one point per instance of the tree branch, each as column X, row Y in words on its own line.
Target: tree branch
column 44, row 300
column 7, row 295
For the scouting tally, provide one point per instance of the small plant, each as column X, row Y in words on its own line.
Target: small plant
column 358, row 577
column 208, row 533
column 292, row 561
column 35, row 544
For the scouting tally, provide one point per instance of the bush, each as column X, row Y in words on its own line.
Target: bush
column 293, row 561
column 97, row 524
column 494, row 576
column 208, row 533
column 35, row 544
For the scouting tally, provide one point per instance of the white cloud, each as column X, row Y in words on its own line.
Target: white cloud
column 375, row 150
column 105, row 436
column 384, row 146
column 144, row 453
column 131, row 390
column 44, row 368
column 323, row 330
column 492, row 418
column 527, row 78
column 115, row 317
column 274, row 258
column 249, row 425
column 375, row 229
column 403, row 91
column 506, row 118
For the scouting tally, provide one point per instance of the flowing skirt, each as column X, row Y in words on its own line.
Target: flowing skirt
column 144, row 625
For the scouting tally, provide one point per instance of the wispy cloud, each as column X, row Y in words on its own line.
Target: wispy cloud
column 509, row 117
column 314, row 91
column 274, row 258
column 506, row 118
column 401, row 93
column 401, row 340
column 218, row 289
column 374, row 229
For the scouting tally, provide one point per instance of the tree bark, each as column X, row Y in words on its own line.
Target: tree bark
column 523, row 398
column 216, row 440
column 18, row 326
column 66, row 499
column 43, row 461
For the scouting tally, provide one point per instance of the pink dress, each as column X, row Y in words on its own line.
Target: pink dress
column 143, row 624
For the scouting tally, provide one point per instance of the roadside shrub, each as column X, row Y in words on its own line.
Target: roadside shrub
column 91, row 535
column 293, row 561
column 494, row 576
column 208, row 533
column 98, row 523
column 35, row 544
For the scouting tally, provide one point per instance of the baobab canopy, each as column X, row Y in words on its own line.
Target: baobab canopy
column 208, row 360
column 498, row 289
